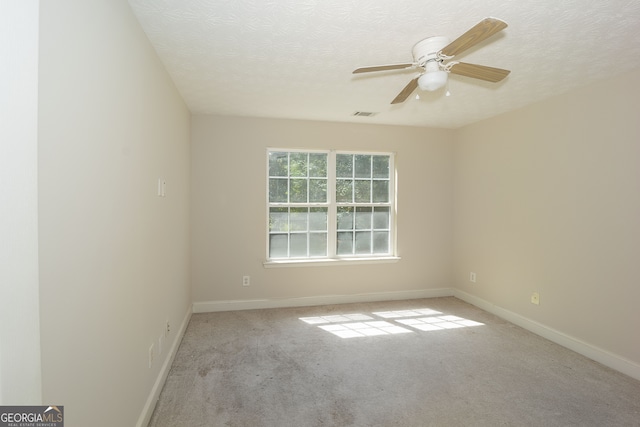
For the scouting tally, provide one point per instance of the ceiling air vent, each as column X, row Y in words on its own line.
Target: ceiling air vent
column 364, row 114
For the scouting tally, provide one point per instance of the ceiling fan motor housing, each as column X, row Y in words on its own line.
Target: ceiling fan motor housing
column 425, row 54
column 426, row 51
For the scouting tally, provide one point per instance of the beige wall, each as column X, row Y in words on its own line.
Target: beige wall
column 20, row 376
column 113, row 255
column 229, row 196
column 547, row 199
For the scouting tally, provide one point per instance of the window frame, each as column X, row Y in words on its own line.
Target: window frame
column 332, row 208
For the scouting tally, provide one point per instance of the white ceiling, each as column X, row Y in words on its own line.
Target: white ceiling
column 294, row 58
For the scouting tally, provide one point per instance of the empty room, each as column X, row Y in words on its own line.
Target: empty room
column 321, row 213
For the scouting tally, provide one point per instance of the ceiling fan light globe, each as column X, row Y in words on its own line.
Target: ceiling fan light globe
column 433, row 80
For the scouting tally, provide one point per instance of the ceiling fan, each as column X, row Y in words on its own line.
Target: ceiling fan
column 431, row 53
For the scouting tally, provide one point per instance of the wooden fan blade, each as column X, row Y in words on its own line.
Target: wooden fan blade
column 382, row 68
column 404, row 93
column 481, row 72
column 479, row 32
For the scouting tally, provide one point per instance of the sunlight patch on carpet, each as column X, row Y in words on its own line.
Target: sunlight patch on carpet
column 406, row 313
column 439, row 322
column 364, row 329
column 336, row 318
column 355, row 325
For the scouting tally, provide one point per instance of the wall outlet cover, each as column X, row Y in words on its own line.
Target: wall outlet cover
column 535, row 298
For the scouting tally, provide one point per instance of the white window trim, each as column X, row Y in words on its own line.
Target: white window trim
column 334, row 259
column 317, row 262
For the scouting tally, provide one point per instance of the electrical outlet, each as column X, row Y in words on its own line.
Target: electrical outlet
column 472, row 277
column 535, row 298
column 152, row 355
column 246, row 280
column 162, row 187
column 167, row 329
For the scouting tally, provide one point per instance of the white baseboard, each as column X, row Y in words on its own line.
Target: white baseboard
column 150, row 404
column 607, row 358
column 212, row 306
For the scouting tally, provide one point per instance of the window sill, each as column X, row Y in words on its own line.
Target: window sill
column 329, row 261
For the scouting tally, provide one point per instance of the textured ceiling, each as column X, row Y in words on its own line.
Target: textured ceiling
column 294, row 58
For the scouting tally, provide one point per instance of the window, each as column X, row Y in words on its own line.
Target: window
column 330, row 205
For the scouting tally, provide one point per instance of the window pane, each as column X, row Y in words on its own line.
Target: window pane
column 363, row 218
column 318, row 219
column 381, row 166
column 298, row 164
column 278, row 246
column 344, row 191
column 345, row 218
column 317, row 190
column 278, row 164
column 345, row 243
column 278, row 190
column 380, row 242
column 317, row 165
column 381, row 218
column 298, row 219
column 300, row 206
column 298, row 245
column 363, row 242
column 363, row 191
column 298, row 190
column 363, row 166
column 381, row 191
column 318, row 244
column 344, row 165
column 278, row 219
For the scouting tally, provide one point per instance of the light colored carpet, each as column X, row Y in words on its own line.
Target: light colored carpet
column 426, row 362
